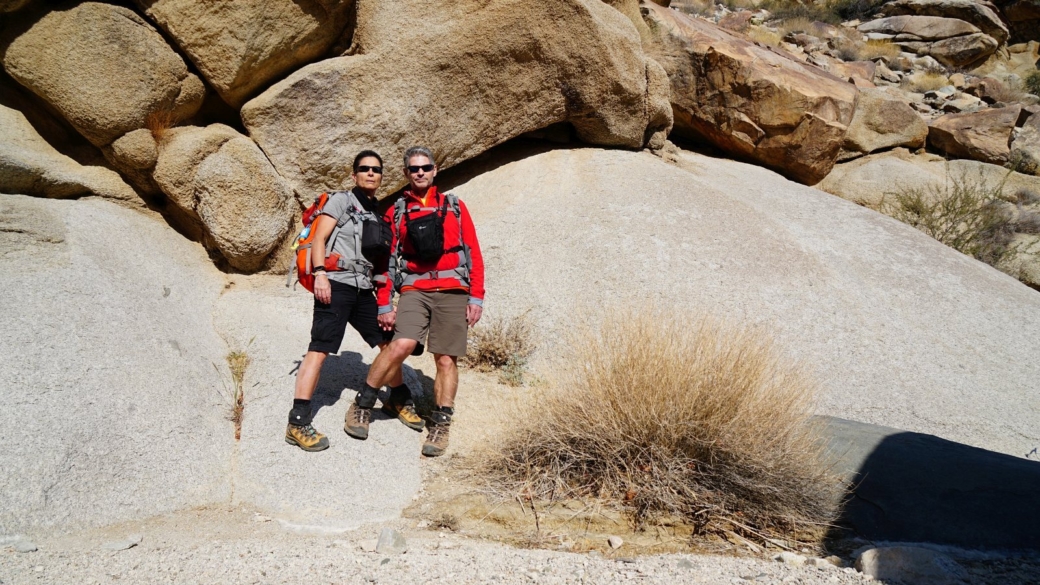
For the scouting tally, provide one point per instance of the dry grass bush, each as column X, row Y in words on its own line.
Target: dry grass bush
column 878, row 49
column 694, row 7
column 504, row 345
column 965, row 213
column 764, row 36
column 158, row 122
column 666, row 418
column 923, row 81
column 796, row 25
column 238, row 362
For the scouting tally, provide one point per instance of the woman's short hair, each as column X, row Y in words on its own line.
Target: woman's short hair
column 418, row 151
column 365, row 154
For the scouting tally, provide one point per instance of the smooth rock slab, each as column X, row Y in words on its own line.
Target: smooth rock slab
column 119, row 370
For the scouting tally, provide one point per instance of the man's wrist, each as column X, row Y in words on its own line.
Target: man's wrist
column 476, row 301
column 385, row 309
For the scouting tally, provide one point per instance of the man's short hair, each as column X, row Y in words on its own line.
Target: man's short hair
column 418, row 151
column 365, row 154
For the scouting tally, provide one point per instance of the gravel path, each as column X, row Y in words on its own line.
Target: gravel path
column 239, row 546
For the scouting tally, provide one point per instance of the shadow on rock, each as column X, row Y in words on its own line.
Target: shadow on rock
column 913, row 487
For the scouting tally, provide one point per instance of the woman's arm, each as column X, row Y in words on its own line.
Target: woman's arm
column 323, row 227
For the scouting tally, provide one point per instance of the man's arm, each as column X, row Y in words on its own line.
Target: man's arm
column 475, row 308
column 385, row 289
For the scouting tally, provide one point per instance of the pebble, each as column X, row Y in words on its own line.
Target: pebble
column 615, row 542
column 391, row 542
column 24, row 546
column 129, row 542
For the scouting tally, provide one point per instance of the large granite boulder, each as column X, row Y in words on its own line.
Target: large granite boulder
column 1025, row 150
column 242, row 46
column 222, row 180
column 882, row 121
column 31, row 166
column 104, row 68
column 113, row 404
column 750, row 101
column 475, row 75
column 984, row 135
column 951, row 41
column 980, row 13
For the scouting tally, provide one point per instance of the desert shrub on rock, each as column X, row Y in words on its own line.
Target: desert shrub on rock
column 1032, row 82
column 966, row 213
column 671, row 417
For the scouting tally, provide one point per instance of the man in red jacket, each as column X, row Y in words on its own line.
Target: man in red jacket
column 438, row 269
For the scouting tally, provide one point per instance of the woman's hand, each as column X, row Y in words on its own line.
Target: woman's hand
column 322, row 288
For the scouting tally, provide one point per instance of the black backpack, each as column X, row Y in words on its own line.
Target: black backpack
column 427, row 233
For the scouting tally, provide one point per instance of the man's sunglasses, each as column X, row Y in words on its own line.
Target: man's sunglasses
column 415, row 168
column 366, row 168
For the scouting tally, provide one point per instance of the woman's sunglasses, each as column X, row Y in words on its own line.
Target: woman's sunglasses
column 366, row 168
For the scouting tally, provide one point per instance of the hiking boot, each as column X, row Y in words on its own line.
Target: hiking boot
column 437, row 441
column 305, row 437
column 356, row 422
column 440, row 423
column 405, row 413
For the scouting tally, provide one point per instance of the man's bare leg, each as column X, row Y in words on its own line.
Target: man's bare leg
column 386, row 369
column 446, row 384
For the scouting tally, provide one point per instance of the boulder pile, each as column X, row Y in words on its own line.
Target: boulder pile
column 228, row 118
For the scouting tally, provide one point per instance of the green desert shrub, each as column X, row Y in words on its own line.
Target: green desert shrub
column 1032, row 82
column 672, row 418
column 963, row 212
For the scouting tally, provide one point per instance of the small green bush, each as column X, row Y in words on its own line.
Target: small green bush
column 1032, row 82
column 963, row 212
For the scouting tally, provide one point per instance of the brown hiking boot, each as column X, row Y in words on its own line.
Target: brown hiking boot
column 305, row 437
column 356, row 422
column 437, row 441
column 404, row 413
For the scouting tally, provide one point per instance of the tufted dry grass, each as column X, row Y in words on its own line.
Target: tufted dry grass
column 666, row 417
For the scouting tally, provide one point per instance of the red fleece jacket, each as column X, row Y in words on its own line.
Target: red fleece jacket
column 446, row 262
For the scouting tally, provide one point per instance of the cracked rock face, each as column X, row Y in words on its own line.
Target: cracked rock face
column 241, row 46
column 223, row 181
column 984, row 135
column 468, row 75
column 104, row 68
column 750, row 101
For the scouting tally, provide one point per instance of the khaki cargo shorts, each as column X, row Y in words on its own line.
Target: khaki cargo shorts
column 439, row 315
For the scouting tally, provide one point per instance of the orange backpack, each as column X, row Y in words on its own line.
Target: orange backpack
column 303, row 243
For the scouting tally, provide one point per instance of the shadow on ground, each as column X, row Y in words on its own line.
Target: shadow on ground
column 344, row 374
column 914, row 487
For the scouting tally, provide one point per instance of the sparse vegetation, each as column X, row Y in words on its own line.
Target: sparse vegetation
column 238, row 362
column 1032, row 82
column 878, row 49
column 158, row 122
column 504, row 345
column 923, row 81
column 964, row 213
column 764, row 36
column 667, row 418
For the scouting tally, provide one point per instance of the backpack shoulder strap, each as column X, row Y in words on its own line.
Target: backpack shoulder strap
column 453, row 203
